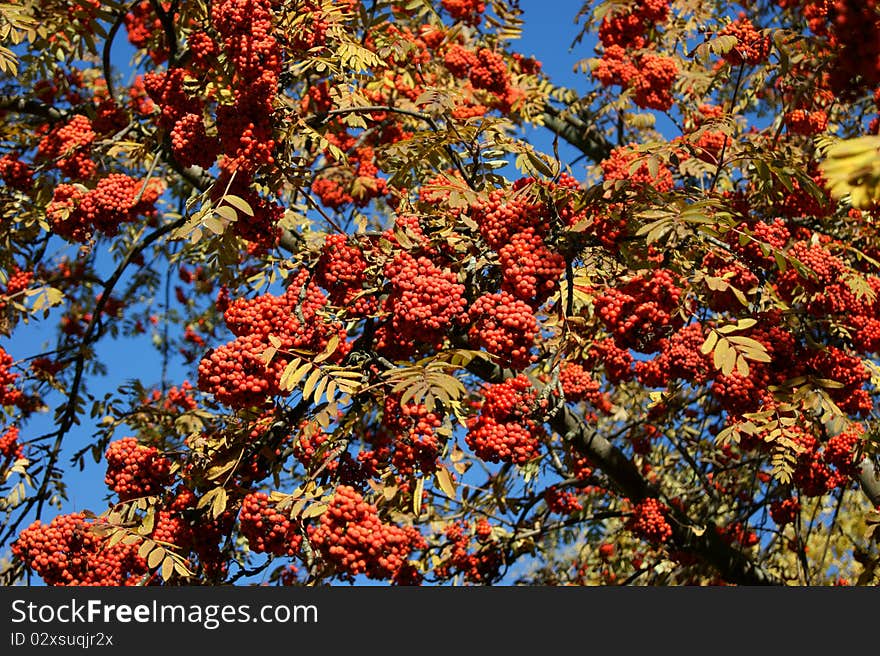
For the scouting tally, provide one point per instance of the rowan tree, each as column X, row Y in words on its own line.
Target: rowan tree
column 416, row 349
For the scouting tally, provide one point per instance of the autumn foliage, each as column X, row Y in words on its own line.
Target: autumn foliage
column 398, row 341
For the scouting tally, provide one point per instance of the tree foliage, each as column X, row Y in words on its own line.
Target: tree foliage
column 415, row 348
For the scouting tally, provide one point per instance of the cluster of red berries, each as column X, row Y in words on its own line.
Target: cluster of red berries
column 145, row 29
column 416, row 442
column 578, row 385
column 469, row 12
column 805, row 122
column 67, row 552
column 621, row 165
column 352, row 538
column 626, row 62
column 529, row 270
column 737, row 394
column 69, row 147
column 267, row 529
column 191, row 144
column 237, row 373
column 737, row 533
column 245, row 127
column 501, row 214
column 481, row 565
column 642, row 311
column 627, row 26
column 505, row 429
column 762, row 242
column 341, row 269
column 10, row 448
column 785, row 511
column 679, row 357
column 506, row 327
column 648, row 521
column 563, row 502
column 9, row 395
column 752, row 47
column 812, row 475
column 849, row 372
column 19, row 280
column 424, row 304
column 77, row 213
column 514, row 223
column 616, row 361
column 852, row 28
column 15, row 173
column 735, row 274
column 135, row 470
column 841, row 450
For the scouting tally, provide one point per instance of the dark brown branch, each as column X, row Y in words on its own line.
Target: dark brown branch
column 21, row 105
column 870, row 481
column 733, row 565
column 583, row 136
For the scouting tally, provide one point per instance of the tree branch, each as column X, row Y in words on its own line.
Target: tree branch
column 21, row 105
column 586, row 138
column 733, row 565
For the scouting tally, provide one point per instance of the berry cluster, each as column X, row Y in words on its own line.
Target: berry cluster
column 530, row 271
column 482, row 565
column 76, row 213
column 135, row 470
column 850, row 374
column 237, row 373
column 643, row 311
column 145, row 29
column 842, row 449
column 852, row 28
column 627, row 26
column 67, row 552
column 341, row 269
column 505, row 429
column 10, row 448
column 505, row 326
column 620, row 163
column 245, row 126
column 760, row 243
column 805, row 122
column 69, row 147
column 752, row 47
column 578, row 385
column 627, row 62
column 785, row 511
column 617, row 362
column 424, row 304
column 15, row 173
column 680, row 357
column 561, row 501
column 267, row 529
column 416, row 442
column 9, row 395
column 352, row 538
column 465, row 11
column 648, row 521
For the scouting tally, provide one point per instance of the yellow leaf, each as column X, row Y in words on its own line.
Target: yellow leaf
column 167, row 568
column 155, row 557
column 444, row 480
column 310, row 383
column 709, row 344
column 417, row 496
